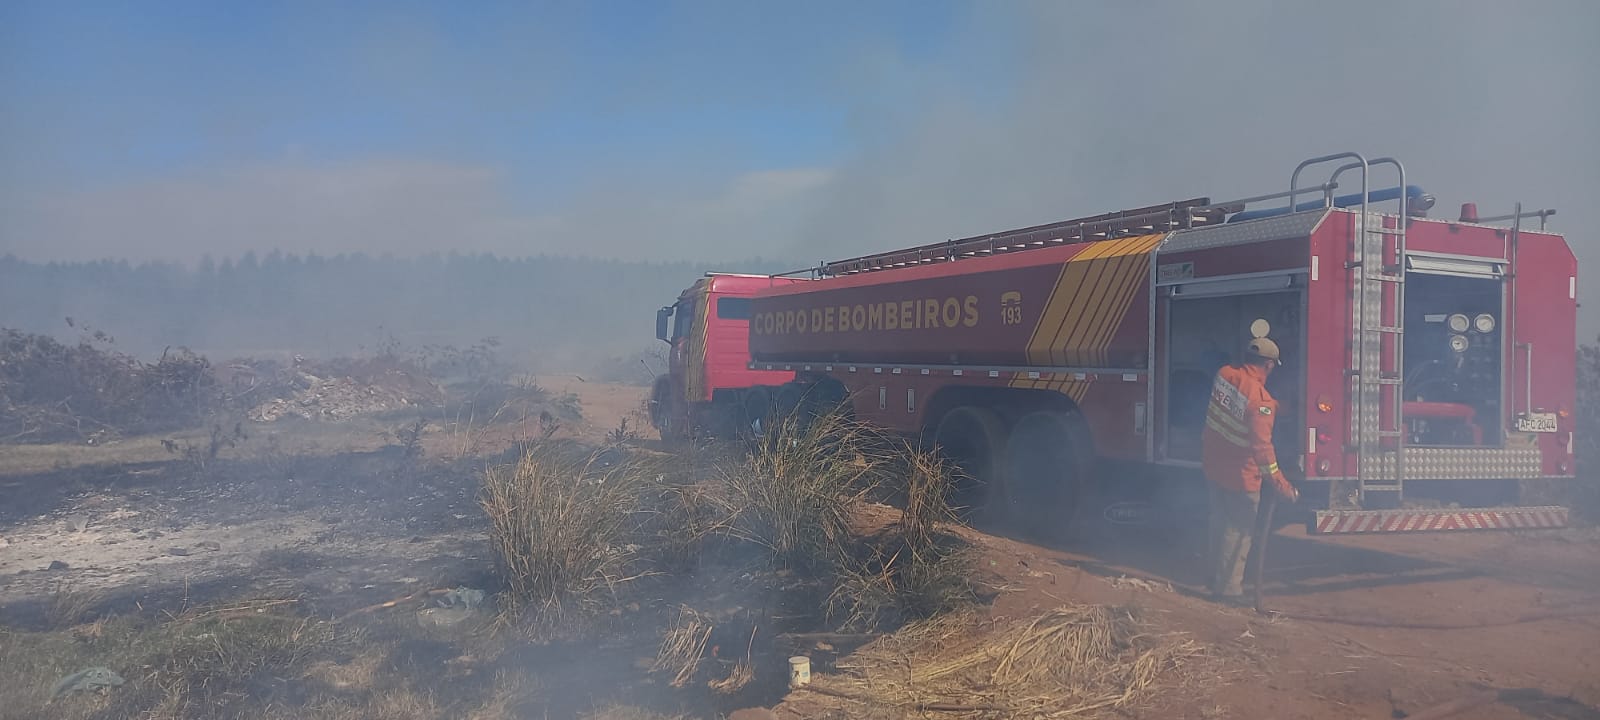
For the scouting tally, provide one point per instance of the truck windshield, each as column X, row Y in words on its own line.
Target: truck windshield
column 733, row 308
column 682, row 318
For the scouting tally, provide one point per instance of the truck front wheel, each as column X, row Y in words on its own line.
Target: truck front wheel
column 1046, row 469
column 664, row 414
column 756, row 413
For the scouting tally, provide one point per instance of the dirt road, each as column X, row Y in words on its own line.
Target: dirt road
column 1369, row 627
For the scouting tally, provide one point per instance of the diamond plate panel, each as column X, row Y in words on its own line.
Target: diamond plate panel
column 1423, row 463
column 1253, row 231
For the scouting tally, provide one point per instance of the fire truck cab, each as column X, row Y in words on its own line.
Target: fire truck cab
column 1428, row 381
column 708, row 331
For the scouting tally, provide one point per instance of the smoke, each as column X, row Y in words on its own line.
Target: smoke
column 999, row 115
column 1119, row 105
column 395, row 206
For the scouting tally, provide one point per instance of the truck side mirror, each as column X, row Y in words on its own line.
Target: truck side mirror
column 662, row 316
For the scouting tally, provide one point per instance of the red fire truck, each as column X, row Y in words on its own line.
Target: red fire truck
column 1428, row 381
column 707, row 386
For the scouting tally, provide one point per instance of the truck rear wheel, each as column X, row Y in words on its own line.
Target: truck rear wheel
column 974, row 440
column 1046, row 467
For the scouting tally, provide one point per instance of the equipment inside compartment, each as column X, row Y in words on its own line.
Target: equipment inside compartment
column 1454, row 356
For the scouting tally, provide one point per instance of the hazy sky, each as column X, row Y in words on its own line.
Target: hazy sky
column 711, row 130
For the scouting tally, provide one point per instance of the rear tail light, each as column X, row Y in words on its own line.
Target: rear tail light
column 1322, row 466
column 1324, row 404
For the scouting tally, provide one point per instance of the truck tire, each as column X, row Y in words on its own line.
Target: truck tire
column 663, row 413
column 756, row 414
column 1046, row 466
column 974, row 440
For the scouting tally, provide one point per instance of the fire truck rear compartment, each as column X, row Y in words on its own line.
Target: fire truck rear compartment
column 1454, row 357
column 1208, row 332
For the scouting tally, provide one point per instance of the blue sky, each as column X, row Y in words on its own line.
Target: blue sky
column 726, row 130
column 552, row 95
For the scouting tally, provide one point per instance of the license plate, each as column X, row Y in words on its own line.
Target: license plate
column 1537, row 423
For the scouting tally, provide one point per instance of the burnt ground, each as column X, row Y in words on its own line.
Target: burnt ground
column 339, row 519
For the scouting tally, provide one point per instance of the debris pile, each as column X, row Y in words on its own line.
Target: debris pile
column 1076, row 660
column 51, row 391
column 334, row 390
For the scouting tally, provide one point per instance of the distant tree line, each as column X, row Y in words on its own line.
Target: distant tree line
column 551, row 313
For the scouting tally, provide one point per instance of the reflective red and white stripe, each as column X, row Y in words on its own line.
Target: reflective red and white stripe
column 1371, row 521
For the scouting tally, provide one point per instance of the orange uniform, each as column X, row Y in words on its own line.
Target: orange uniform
column 1236, row 449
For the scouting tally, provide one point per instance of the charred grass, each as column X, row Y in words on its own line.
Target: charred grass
column 265, row 658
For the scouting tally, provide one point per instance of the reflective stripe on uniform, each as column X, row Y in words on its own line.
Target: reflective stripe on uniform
column 1227, row 433
column 1228, row 421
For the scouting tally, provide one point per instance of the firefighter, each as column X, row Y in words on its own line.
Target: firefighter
column 1237, row 455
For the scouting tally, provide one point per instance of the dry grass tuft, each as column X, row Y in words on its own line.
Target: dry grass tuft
column 794, row 494
column 1073, row 661
column 741, row 674
column 915, row 569
column 889, row 587
column 690, row 518
column 683, row 644
column 562, row 526
column 928, row 480
column 69, row 605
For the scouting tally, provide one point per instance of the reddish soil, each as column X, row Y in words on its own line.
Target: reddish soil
column 1360, row 627
column 1379, row 626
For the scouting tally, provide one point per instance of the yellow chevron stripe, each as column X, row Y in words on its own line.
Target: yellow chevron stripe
column 1068, row 285
column 1130, row 273
column 695, row 374
column 1078, row 289
column 1076, row 309
column 1086, row 299
column 1085, row 307
column 1094, row 300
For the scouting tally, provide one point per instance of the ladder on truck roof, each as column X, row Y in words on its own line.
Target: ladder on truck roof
column 1178, row 215
column 1377, row 259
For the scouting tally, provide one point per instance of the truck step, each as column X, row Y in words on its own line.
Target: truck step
column 1328, row 522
